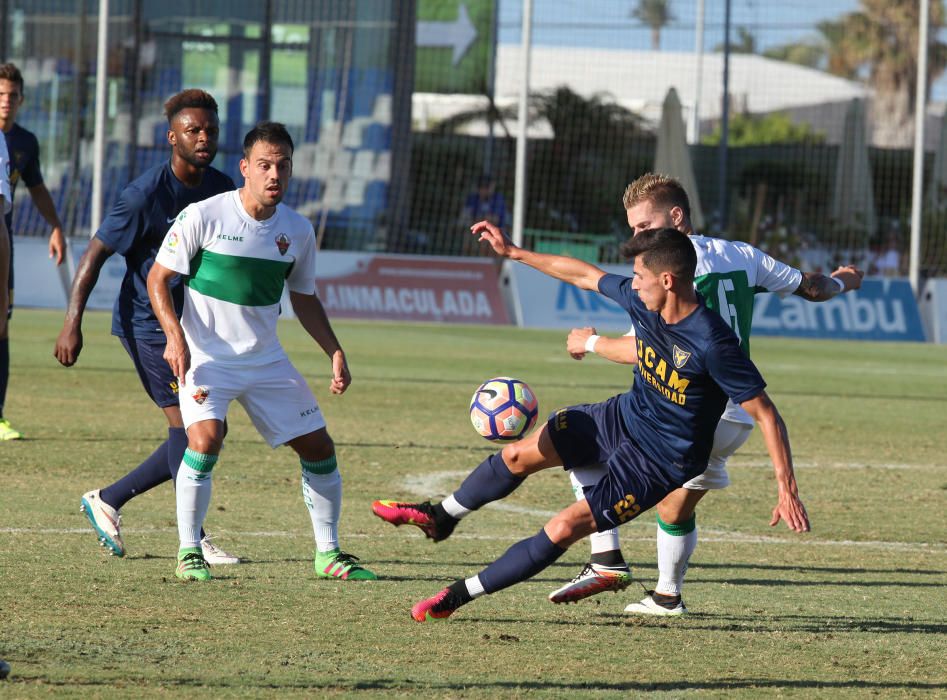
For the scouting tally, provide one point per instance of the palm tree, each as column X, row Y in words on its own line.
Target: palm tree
column 880, row 40
column 745, row 43
column 655, row 14
column 806, row 53
column 592, row 146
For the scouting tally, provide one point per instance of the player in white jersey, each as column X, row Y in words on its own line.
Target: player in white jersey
column 236, row 250
column 728, row 275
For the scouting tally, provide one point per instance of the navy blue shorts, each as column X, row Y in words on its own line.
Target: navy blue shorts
column 153, row 371
column 596, row 434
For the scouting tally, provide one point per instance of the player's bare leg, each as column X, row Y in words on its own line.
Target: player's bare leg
column 606, row 569
column 493, row 479
column 520, row 562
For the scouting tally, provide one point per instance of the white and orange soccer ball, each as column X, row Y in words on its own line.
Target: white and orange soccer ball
column 503, row 409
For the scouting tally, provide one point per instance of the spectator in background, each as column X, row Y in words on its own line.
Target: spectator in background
column 888, row 261
column 485, row 204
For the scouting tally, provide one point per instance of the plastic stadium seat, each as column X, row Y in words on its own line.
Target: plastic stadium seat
column 364, row 164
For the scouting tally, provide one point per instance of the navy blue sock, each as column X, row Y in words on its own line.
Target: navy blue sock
column 150, row 473
column 177, row 444
column 490, row 481
column 4, row 371
column 523, row 560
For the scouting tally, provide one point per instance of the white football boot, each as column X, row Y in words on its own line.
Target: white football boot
column 593, row 579
column 647, row 606
column 106, row 522
column 214, row 555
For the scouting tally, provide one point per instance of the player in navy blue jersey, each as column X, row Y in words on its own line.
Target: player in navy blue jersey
column 652, row 438
column 6, row 205
column 135, row 228
column 23, row 150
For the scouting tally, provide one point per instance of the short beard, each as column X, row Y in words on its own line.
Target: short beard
column 191, row 159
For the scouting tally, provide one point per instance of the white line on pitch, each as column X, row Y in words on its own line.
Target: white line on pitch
column 707, row 535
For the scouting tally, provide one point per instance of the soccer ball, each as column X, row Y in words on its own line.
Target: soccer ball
column 503, row 409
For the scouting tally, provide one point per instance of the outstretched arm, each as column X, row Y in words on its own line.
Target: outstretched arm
column 818, row 287
column 44, row 203
column 575, row 272
column 176, row 352
column 69, row 342
column 621, row 350
column 312, row 316
column 789, row 507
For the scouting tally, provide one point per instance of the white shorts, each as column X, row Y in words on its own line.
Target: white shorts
column 728, row 438
column 275, row 396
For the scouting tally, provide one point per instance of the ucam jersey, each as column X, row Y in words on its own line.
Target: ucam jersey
column 135, row 229
column 234, row 268
column 5, row 190
column 686, row 372
column 729, row 274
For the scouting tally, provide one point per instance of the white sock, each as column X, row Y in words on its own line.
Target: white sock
column 192, row 496
column 585, row 477
column 454, row 509
column 674, row 551
column 323, row 496
column 474, row 587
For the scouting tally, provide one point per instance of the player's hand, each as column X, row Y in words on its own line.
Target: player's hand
column 492, row 235
column 57, row 246
column 850, row 275
column 575, row 343
column 790, row 510
column 341, row 378
column 178, row 357
column 68, row 345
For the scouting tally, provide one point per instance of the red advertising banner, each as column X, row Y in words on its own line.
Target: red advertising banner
column 407, row 288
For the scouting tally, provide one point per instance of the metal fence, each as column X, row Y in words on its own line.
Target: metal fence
column 404, row 114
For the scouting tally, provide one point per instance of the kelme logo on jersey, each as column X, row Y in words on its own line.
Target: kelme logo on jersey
column 680, row 357
column 282, row 242
column 200, row 394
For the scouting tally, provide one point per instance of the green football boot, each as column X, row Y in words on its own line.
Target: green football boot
column 341, row 565
column 191, row 565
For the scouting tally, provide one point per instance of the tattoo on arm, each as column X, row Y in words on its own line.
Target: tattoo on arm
column 816, row 287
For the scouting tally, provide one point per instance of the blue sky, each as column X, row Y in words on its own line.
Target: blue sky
column 608, row 24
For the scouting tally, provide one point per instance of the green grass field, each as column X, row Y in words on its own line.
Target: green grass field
column 857, row 607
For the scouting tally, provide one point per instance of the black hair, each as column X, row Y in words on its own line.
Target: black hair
column 664, row 250
column 192, row 98
column 268, row 132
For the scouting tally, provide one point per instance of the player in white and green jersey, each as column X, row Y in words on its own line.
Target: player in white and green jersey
column 729, row 274
column 235, row 252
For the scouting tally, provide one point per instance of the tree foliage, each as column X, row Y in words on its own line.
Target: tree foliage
column 572, row 177
column 655, row 14
column 753, row 130
column 744, row 43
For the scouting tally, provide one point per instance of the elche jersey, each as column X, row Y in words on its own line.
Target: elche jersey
column 686, row 373
column 234, row 269
column 729, row 274
column 135, row 228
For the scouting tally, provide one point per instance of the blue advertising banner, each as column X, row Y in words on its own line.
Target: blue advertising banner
column 883, row 309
